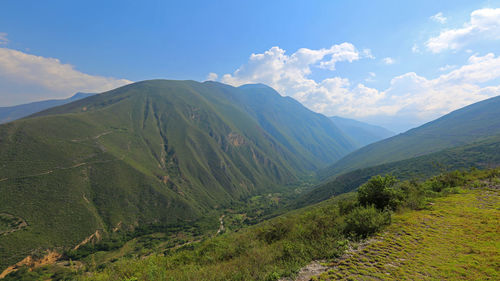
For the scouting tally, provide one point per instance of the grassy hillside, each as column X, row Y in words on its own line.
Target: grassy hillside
column 454, row 239
column 483, row 154
column 460, row 127
column 11, row 113
column 155, row 152
column 361, row 133
column 280, row 247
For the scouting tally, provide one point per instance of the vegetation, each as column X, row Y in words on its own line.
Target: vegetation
column 281, row 246
column 454, row 239
column 152, row 153
column 484, row 154
column 470, row 124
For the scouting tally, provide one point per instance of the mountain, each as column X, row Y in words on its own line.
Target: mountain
column 302, row 131
column 466, row 125
column 362, row 133
column 11, row 113
column 483, row 154
column 153, row 152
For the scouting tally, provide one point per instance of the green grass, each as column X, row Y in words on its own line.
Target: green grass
column 456, row 238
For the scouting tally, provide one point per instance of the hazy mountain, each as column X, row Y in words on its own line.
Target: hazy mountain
column 360, row 132
column 152, row 152
column 471, row 123
column 11, row 113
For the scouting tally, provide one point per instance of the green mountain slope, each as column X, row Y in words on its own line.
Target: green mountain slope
column 483, row 154
column 153, row 152
column 460, row 127
column 361, row 133
column 302, row 131
column 11, row 113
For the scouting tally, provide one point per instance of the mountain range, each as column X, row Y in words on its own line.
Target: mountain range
column 152, row 152
column 460, row 127
column 164, row 152
column 360, row 132
column 11, row 113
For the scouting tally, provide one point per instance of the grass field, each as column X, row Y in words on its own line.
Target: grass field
column 457, row 238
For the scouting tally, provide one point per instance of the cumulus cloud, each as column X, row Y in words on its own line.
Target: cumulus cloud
column 439, row 18
column 25, row 77
column 212, row 76
column 483, row 24
column 409, row 96
column 3, row 38
column 389, row 60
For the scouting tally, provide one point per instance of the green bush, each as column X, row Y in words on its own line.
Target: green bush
column 364, row 221
column 380, row 191
column 447, row 180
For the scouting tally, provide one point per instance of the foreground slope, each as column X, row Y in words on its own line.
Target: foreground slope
column 454, row 239
column 460, row 127
column 362, row 133
column 153, row 152
column 11, row 113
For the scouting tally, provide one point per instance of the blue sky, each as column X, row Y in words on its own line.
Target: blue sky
column 393, row 63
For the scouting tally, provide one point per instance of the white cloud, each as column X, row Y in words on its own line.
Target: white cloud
column 25, row 77
column 483, row 24
column 447, row 67
column 3, row 38
column 410, row 96
column 212, row 76
column 439, row 18
column 389, row 60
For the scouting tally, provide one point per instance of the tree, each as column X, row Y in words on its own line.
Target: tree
column 379, row 191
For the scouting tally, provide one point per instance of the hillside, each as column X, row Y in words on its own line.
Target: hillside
column 483, row 154
column 154, row 152
column 302, row 131
column 454, row 239
column 433, row 226
column 11, row 113
column 361, row 133
column 466, row 125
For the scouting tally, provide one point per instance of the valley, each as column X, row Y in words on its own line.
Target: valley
column 190, row 181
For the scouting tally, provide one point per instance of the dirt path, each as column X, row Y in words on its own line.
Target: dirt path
column 221, row 227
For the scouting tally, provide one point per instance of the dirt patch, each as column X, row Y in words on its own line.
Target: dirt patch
column 310, row 270
column 50, row 258
column 93, row 238
column 11, row 223
column 236, row 139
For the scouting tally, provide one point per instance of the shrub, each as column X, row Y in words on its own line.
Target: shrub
column 379, row 191
column 364, row 221
column 452, row 179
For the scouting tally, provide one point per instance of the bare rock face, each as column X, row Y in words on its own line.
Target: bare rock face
column 236, row 139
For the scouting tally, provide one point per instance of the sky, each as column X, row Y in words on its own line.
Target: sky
column 397, row 64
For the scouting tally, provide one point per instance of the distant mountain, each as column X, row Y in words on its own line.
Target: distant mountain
column 466, row 125
column 152, row 152
column 11, row 113
column 360, row 132
column 483, row 154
